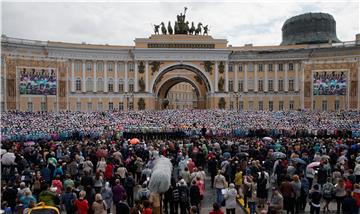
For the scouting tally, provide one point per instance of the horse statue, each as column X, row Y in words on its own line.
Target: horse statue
column 177, row 28
column 186, row 28
column 170, row 30
column 163, row 28
column 192, row 29
column 198, row 29
column 206, row 29
column 156, row 29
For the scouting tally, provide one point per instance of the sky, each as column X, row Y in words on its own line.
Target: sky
column 119, row 23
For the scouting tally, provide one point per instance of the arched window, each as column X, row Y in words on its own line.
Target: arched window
column 89, row 85
column 78, row 84
column 110, row 85
column 100, row 85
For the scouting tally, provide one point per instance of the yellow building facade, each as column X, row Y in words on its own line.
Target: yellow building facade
column 87, row 77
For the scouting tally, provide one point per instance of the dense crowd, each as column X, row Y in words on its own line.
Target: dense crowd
column 25, row 126
column 111, row 174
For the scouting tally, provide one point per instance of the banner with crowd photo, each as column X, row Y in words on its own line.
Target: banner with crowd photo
column 330, row 83
column 38, row 82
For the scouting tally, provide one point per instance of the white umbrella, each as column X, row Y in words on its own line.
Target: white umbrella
column 8, row 159
column 2, row 151
column 269, row 139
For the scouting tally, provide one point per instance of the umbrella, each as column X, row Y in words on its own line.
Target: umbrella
column 299, row 160
column 3, row 151
column 242, row 154
column 29, row 143
column 134, row 141
column 313, row 164
column 342, row 158
column 344, row 146
column 269, row 139
column 8, row 159
column 327, row 157
column 278, row 155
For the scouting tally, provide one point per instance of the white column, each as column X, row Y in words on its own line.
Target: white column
column 236, row 82
column 296, row 77
column 226, row 77
column 266, row 86
column 94, row 78
column 286, row 81
column 302, row 87
column 5, row 85
column 83, row 77
column 358, row 91
column 147, row 76
column 216, row 77
column 126, row 77
column 136, row 76
column 255, row 77
column 116, row 86
column 105, row 78
column 72, row 76
column 276, row 81
column 67, row 86
column 245, row 78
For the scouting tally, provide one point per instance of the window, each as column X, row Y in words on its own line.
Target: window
column 55, row 106
column 100, row 106
column 111, row 86
column 261, row 105
column 89, row 85
column 337, row 105
column 241, row 105
column 110, row 66
column 78, row 85
column 291, row 105
column 231, row 85
column 131, row 106
column 43, row 106
column 89, row 106
column 281, row 67
column 78, row 106
column 281, row 105
column 2, row 85
column 261, row 67
column 250, row 67
column 100, row 66
column 121, row 86
column 111, row 106
column 271, row 105
column 131, row 87
column 281, row 85
column 30, row 107
column 324, row 105
column 251, row 105
column 2, row 106
column 88, row 66
column 230, row 67
column 250, row 85
column 270, row 85
column 231, row 105
column 100, row 85
column 270, row 67
column 121, row 66
column 77, row 66
column 291, row 85
column 314, row 104
column 121, row 106
column 291, row 66
column 131, row 66
column 260, row 85
column 241, row 86
column 240, row 67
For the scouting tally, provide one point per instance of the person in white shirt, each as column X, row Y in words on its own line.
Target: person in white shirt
column 219, row 184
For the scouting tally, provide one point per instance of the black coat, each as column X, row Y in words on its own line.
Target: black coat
column 194, row 195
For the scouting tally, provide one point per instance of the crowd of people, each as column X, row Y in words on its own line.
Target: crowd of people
column 26, row 126
column 111, row 174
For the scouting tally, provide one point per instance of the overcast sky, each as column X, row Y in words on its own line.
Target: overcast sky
column 120, row 23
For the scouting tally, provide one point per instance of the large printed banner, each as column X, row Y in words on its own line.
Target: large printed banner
column 38, row 81
column 329, row 83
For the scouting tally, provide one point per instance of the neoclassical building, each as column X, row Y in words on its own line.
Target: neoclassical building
column 310, row 69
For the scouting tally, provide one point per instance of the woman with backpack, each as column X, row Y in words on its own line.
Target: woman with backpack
column 99, row 205
column 327, row 191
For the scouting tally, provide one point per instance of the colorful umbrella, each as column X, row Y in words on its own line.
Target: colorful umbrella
column 278, row 155
column 299, row 160
column 134, row 141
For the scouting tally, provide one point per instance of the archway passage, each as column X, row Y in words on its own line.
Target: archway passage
column 169, row 78
column 182, row 96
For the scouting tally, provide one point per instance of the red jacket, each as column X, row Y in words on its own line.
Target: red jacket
column 147, row 211
column 82, row 206
column 356, row 195
column 108, row 171
column 216, row 212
